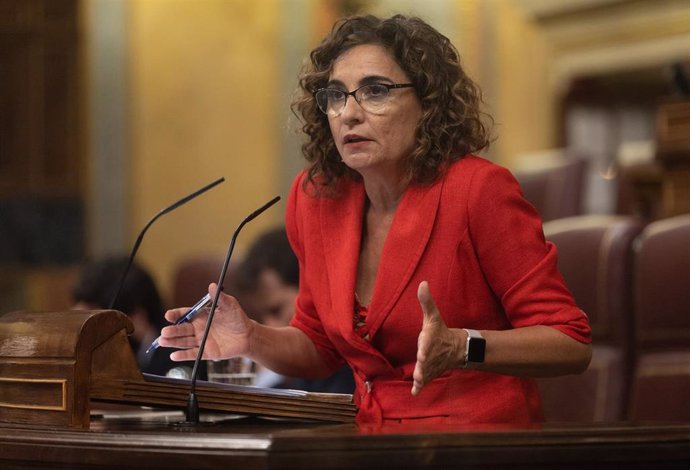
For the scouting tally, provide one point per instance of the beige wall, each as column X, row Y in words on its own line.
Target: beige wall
column 179, row 92
column 518, row 90
column 203, row 88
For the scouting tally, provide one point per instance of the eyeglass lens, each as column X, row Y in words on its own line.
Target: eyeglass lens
column 370, row 97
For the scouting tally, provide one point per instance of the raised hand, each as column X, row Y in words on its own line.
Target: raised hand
column 438, row 347
column 228, row 337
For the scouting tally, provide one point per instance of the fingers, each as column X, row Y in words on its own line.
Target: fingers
column 226, row 302
column 431, row 316
column 183, row 330
column 429, row 309
column 212, row 288
column 423, row 293
column 178, row 336
column 418, row 373
column 418, row 379
column 185, row 355
column 424, row 297
column 176, row 313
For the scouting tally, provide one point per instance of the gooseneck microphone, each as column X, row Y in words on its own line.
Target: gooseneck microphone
column 192, row 412
column 146, row 227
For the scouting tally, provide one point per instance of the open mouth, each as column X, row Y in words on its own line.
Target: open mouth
column 351, row 139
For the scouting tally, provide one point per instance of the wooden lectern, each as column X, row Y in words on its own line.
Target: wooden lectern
column 53, row 364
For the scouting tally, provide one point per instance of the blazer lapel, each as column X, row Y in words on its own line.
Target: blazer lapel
column 341, row 227
column 405, row 243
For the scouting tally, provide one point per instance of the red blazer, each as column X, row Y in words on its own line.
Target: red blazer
column 480, row 245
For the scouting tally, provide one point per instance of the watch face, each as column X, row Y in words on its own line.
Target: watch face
column 476, row 350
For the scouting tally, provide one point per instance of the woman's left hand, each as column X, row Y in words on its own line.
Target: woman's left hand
column 438, row 347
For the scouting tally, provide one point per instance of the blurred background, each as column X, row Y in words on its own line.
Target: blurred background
column 111, row 110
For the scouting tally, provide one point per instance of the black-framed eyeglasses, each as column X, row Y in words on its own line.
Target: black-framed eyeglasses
column 372, row 97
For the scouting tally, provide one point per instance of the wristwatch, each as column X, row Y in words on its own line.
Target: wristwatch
column 474, row 350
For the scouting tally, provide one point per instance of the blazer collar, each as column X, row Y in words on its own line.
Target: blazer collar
column 341, row 226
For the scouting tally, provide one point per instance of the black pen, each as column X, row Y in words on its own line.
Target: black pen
column 187, row 317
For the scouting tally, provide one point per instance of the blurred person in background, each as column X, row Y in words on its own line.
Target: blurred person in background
column 267, row 282
column 139, row 299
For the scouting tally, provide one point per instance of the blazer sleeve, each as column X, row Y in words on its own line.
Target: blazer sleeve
column 518, row 263
column 306, row 317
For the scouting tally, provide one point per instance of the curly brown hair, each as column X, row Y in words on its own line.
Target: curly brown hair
column 452, row 123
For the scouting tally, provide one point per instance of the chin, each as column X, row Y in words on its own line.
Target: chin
column 357, row 161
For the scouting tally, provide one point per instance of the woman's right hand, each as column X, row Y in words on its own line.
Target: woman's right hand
column 229, row 335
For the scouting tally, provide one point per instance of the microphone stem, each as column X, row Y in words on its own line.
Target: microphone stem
column 213, row 309
column 192, row 415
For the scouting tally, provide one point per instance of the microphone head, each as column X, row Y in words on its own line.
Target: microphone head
column 261, row 209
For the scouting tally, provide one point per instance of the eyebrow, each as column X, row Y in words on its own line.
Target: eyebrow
column 368, row 80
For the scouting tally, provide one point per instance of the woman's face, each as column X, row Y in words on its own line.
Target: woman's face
column 374, row 143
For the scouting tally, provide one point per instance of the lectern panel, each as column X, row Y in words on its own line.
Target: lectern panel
column 33, row 394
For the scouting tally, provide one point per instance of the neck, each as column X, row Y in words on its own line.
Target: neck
column 384, row 194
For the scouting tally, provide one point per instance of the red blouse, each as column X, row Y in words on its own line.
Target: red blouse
column 481, row 247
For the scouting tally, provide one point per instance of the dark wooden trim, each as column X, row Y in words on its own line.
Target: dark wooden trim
column 263, row 444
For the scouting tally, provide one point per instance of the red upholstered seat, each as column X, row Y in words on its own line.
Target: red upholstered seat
column 661, row 390
column 557, row 190
column 192, row 277
column 661, row 387
column 595, row 258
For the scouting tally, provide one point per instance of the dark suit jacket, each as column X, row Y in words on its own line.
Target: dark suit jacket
column 481, row 247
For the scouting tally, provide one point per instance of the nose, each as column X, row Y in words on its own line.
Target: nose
column 352, row 111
